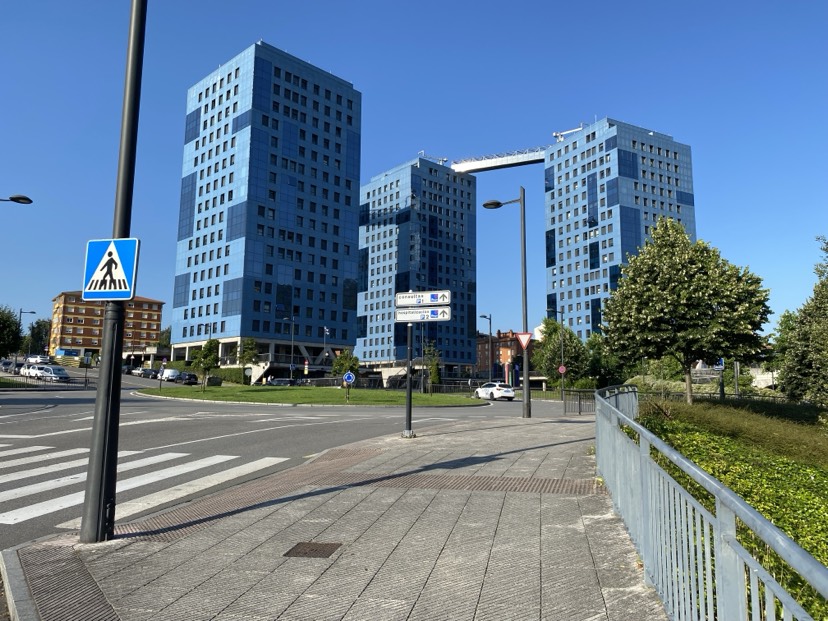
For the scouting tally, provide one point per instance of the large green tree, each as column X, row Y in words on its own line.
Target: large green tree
column 804, row 372
column 249, row 353
column 9, row 331
column 546, row 354
column 682, row 299
column 206, row 358
column 345, row 361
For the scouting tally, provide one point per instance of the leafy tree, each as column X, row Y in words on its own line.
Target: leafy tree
column 431, row 358
column 603, row 365
column 804, row 369
column 682, row 299
column 344, row 362
column 249, row 352
column 546, row 354
column 165, row 338
column 778, row 342
column 206, row 358
column 40, row 332
column 9, row 331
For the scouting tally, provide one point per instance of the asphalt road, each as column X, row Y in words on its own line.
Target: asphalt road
column 171, row 451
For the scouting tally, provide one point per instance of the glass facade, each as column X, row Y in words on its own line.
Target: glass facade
column 268, row 220
column 417, row 232
column 606, row 185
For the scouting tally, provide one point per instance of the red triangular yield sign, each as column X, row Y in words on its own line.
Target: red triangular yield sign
column 524, row 338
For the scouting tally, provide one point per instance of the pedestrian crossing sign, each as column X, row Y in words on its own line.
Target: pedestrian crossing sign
column 110, row 269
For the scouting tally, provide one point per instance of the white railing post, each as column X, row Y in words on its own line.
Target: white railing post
column 645, row 465
column 731, row 600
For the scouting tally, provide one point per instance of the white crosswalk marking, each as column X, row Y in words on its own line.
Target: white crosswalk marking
column 64, row 465
column 37, row 458
column 70, row 500
column 80, row 477
column 124, row 510
column 25, row 449
column 39, row 463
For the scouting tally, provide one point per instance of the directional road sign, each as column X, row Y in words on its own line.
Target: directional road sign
column 110, row 268
column 422, row 298
column 414, row 315
column 349, row 377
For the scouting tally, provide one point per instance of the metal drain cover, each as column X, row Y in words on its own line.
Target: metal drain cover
column 313, row 549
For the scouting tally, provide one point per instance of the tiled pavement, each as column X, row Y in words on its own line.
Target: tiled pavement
column 489, row 519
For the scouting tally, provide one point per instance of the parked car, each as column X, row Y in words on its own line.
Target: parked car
column 53, row 373
column 145, row 372
column 38, row 359
column 186, row 378
column 495, row 390
column 24, row 370
column 15, row 370
column 127, row 369
column 169, row 375
column 6, row 366
column 278, row 381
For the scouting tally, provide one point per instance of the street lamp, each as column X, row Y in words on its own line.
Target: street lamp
column 17, row 198
column 561, row 369
column 491, row 362
column 20, row 329
column 292, row 320
column 527, row 403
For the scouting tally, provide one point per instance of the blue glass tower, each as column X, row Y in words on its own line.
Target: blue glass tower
column 417, row 232
column 606, row 185
column 268, row 222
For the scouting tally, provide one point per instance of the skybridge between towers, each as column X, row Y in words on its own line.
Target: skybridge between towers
column 500, row 160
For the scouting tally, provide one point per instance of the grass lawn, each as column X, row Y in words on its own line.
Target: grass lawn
column 311, row 395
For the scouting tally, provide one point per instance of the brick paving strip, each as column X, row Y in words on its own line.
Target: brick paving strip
column 476, row 520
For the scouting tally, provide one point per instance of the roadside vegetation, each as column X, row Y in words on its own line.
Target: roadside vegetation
column 773, row 455
column 310, row 395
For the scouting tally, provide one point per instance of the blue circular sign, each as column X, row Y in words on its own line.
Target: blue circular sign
column 349, row 377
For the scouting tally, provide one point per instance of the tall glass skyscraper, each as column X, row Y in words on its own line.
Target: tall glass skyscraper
column 606, row 185
column 268, row 225
column 417, row 232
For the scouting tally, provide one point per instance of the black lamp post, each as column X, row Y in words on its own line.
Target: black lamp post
column 527, row 403
column 292, row 320
column 20, row 325
column 489, row 356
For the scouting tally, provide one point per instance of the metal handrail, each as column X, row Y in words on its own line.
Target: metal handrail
column 639, row 500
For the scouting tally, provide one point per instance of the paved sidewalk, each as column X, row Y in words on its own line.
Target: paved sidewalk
column 489, row 519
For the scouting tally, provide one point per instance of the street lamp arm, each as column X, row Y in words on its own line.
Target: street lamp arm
column 18, row 198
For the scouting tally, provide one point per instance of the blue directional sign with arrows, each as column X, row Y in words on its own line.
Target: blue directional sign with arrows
column 110, row 269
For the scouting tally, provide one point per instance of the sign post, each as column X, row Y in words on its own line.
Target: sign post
column 98, row 519
column 419, row 306
column 349, row 378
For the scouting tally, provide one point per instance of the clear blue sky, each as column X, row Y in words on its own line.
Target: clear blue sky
column 743, row 83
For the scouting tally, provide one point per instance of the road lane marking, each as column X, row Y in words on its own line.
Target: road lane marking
column 45, row 457
column 80, row 477
column 70, row 500
column 166, row 419
column 127, row 509
column 25, row 449
column 64, row 465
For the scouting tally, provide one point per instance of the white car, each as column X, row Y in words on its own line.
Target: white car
column 495, row 390
column 30, row 370
column 169, row 375
column 52, row 373
column 38, row 359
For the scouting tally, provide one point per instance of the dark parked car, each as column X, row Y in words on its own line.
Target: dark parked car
column 145, row 372
column 127, row 369
column 186, row 378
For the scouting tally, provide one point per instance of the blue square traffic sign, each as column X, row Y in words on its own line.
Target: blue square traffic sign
column 110, row 269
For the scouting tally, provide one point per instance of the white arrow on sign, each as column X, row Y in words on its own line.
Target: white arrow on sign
column 414, row 315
